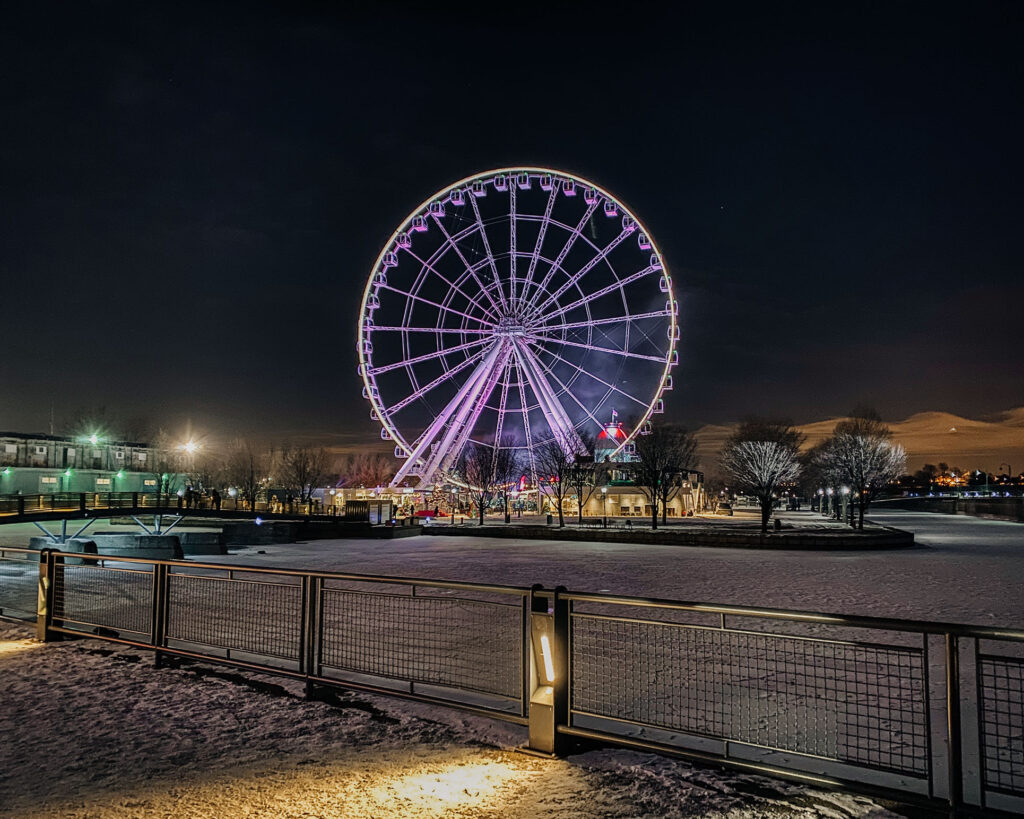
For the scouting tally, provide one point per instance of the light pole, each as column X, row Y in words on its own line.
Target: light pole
column 604, row 504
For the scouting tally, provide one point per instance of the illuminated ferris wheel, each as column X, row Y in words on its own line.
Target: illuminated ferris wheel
column 513, row 308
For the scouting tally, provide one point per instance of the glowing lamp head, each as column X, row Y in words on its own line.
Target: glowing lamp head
column 94, row 439
column 549, row 663
column 120, row 473
column 190, row 447
column 67, row 473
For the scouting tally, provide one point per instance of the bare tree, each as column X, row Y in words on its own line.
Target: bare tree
column 761, row 457
column 664, row 455
column 555, row 459
column 247, row 468
column 303, row 469
column 477, row 466
column 861, row 453
column 507, row 468
column 167, row 465
column 583, row 474
column 365, row 469
column 204, row 470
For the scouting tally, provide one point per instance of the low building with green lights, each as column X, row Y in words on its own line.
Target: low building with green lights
column 34, row 463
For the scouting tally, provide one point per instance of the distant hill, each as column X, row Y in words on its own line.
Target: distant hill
column 929, row 437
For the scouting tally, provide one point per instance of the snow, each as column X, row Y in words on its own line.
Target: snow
column 92, row 729
column 963, row 569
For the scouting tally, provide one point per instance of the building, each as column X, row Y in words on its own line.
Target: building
column 621, row 498
column 34, row 463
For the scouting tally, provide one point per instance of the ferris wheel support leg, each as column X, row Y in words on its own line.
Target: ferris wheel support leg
column 450, row 454
column 428, row 437
column 459, row 430
column 555, row 414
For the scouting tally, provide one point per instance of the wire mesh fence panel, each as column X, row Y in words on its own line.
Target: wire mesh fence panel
column 466, row 644
column 858, row 704
column 1001, row 716
column 102, row 597
column 256, row 617
column 19, row 580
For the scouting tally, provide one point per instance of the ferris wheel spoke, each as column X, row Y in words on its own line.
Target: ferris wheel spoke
column 386, row 368
column 567, row 391
column 415, row 297
column 526, row 420
column 574, row 235
column 579, row 274
column 598, row 379
column 512, row 244
column 499, row 424
column 593, row 322
column 376, row 328
column 535, row 256
column 461, row 424
column 457, row 407
column 448, row 375
column 454, row 287
column 596, row 349
column 604, row 291
column 472, row 271
column 487, row 244
column 554, row 413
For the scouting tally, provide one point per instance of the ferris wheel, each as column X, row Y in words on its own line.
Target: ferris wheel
column 513, row 308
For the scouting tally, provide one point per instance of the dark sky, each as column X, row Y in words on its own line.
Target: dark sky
column 191, row 196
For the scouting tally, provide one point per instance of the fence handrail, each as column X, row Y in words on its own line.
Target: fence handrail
column 850, row 621
column 352, row 576
column 795, row 615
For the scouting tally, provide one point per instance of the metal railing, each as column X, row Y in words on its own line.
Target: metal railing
column 89, row 503
column 931, row 713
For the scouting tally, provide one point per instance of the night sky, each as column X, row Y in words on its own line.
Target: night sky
column 191, row 199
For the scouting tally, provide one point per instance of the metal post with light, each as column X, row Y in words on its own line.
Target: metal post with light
column 549, row 669
column 604, row 504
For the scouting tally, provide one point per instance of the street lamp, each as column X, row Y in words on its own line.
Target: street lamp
column 604, row 504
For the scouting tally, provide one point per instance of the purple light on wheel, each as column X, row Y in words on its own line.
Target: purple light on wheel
column 516, row 319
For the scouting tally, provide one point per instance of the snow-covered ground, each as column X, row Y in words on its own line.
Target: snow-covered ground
column 963, row 570
column 92, row 729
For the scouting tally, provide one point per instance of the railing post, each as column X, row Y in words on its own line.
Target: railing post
column 21, row 504
column 309, row 650
column 954, row 747
column 159, row 617
column 44, row 600
column 549, row 670
column 135, row 500
column 81, row 502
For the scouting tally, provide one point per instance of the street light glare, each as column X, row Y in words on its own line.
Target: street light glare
column 190, row 447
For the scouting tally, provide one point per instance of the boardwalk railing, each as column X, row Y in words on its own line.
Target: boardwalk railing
column 927, row 713
column 94, row 504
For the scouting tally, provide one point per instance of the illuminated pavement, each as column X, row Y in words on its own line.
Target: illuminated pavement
column 94, row 730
